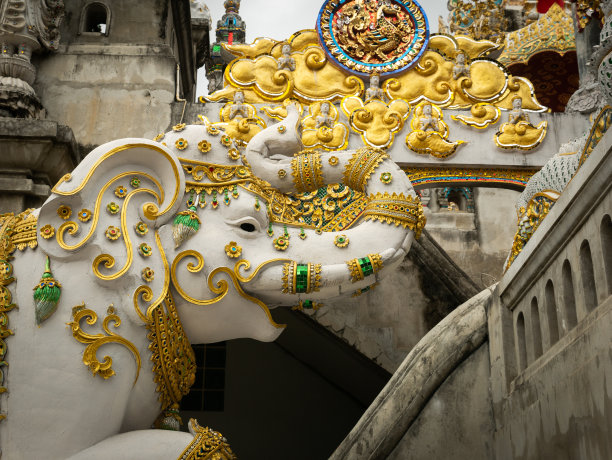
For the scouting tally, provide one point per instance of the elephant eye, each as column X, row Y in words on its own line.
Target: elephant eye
column 247, row 227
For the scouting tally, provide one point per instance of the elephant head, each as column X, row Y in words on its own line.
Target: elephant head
column 197, row 214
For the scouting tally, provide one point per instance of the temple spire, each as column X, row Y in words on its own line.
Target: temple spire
column 231, row 30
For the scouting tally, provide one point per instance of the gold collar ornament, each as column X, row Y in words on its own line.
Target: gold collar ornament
column 16, row 232
column 406, row 211
column 173, row 359
column 206, row 445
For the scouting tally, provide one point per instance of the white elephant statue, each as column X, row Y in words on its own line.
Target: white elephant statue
column 149, row 246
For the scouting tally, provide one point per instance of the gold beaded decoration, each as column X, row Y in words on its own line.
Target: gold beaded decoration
column 307, row 172
column 361, row 166
column 301, row 278
column 360, row 268
column 396, row 209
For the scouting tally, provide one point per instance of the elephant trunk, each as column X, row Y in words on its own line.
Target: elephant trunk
column 346, row 260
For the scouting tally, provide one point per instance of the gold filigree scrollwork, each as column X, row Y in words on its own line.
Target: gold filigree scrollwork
column 95, row 341
column 150, row 210
column 146, row 293
column 206, row 445
column 217, row 174
column 246, row 265
column 220, row 289
column 406, row 211
column 361, row 166
column 211, row 177
column 107, row 259
column 222, row 286
column 72, row 227
column 174, row 363
column 307, row 172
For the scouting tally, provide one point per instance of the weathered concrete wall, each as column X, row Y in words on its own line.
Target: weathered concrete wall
column 110, row 86
column 561, row 409
column 382, row 324
column 386, row 323
column 109, row 96
column 478, row 242
column 459, row 413
column 399, row 405
column 550, row 336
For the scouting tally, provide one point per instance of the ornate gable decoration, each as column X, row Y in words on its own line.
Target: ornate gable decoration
column 368, row 37
column 552, row 32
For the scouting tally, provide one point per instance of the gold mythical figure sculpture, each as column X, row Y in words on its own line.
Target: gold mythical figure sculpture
column 373, row 31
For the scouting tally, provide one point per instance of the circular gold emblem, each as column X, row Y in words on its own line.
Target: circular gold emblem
column 368, row 37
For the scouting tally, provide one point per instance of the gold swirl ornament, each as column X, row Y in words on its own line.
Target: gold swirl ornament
column 95, row 341
column 430, row 133
column 376, row 121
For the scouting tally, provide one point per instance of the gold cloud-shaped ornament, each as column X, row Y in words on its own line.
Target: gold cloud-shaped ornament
column 314, row 77
column 483, row 116
column 518, row 132
column 376, row 121
column 473, row 49
column 321, row 129
column 279, row 112
column 429, row 134
column 488, row 82
column 522, row 135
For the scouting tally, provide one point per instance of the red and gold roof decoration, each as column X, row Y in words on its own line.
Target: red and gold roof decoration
column 552, row 32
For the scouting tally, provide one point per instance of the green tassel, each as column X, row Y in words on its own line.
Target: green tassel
column 46, row 295
column 185, row 225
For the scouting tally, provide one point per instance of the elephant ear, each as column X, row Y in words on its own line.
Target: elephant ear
column 108, row 212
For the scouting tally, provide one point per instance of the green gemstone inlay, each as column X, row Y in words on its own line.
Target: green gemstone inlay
column 301, row 278
column 307, row 304
column 366, row 266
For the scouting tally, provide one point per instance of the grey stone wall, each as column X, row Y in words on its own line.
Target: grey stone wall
column 112, row 85
column 458, row 413
column 478, row 242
